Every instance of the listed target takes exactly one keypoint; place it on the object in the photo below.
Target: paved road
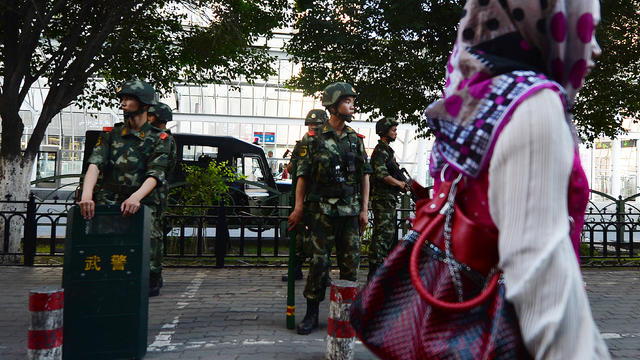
(239, 314)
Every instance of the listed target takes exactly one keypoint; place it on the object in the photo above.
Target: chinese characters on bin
(92, 263)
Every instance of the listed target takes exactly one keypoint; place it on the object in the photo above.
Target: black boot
(298, 273)
(154, 284)
(372, 271)
(310, 320)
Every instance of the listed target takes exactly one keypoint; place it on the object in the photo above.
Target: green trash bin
(106, 284)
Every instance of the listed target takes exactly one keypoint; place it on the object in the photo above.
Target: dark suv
(259, 186)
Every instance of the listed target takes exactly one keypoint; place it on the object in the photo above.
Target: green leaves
(394, 53)
(78, 46)
(205, 186)
(612, 91)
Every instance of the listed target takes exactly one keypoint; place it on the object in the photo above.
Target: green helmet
(316, 117)
(383, 125)
(138, 89)
(334, 92)
(162, 111)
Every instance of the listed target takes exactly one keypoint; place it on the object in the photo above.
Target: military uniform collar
(385, 145)
(144, 131)
(327, 128)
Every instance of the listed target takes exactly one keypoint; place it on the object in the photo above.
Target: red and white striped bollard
(340, 334)
(46, 306)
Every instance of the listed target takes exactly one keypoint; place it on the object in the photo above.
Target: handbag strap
(443, 220)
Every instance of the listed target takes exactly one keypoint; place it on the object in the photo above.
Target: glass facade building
(272, 114)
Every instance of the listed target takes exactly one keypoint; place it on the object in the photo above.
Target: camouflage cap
(383, 125)
(162, 111)
(138, 89)
(316, 117)
(333, 92)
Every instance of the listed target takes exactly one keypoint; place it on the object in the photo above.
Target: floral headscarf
(506, 51)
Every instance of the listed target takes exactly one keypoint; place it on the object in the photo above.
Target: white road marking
(608, 336)
(162, 341)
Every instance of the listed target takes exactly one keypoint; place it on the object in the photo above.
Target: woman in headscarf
(504, 124)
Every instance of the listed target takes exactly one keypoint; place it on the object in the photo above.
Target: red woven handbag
(438, 295)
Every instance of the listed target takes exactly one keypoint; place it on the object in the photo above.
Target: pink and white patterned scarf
(506, 51)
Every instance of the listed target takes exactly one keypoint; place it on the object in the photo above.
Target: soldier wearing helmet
(338, 98)
(333, 178)
(314, 118)
(132, 158)
(384, 195)
(159, 115)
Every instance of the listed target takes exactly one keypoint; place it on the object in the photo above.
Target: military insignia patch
(99, 141)
(163, 136)
(303, 151)
(124, 131)
(142, 134)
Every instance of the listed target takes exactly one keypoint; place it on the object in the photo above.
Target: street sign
(264, 137)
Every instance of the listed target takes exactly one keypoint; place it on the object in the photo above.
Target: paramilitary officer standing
(384, 195)
(159, 115)
(314, 118)
(132, 158)
(333, 173)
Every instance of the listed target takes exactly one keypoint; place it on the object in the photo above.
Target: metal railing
(228, 236)
(611, 232)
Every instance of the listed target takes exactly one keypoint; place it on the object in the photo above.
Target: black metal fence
(611, 232)
(232, 236)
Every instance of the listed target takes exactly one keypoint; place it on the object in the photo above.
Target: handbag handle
(422, 290)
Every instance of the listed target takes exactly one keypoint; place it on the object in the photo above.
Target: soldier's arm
(379, 164)
(87, 205)
(303, 172)
(296, 215)
(156, 174)
(364, 188)
(132, 204)
(96, 161)
(158, 163)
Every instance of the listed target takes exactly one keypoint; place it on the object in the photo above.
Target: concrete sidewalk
(240, 314)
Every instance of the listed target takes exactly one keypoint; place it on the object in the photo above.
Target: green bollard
(291, 282)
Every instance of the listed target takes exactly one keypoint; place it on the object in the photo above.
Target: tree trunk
(15, 173)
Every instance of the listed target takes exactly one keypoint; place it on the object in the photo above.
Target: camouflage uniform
(126, 158)
(163, 114)
(333, 166)
(303, 248)
(156, 247)
(384, 199)
(313, 119)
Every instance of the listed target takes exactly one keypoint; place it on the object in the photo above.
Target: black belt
(329, 191)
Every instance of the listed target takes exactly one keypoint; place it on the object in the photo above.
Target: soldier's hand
(130, 206)
(363, 218)
(294, 219)
(87, 208)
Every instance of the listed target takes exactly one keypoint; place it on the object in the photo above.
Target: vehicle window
(46, 165)
(195, 152)
(250, 167)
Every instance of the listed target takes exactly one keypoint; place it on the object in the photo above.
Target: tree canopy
(394, 53)
(75, 45)
(614, 85)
